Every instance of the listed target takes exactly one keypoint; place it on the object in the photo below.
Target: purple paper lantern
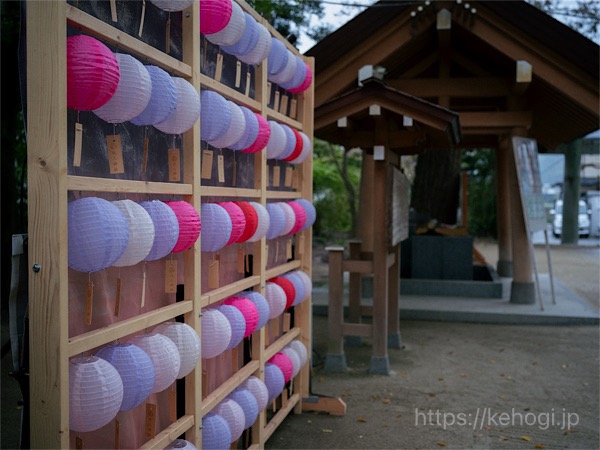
(311, 212)
(187, 341)
(282, 361)
(217, 227)
(299, 75)
(186, 112)
(276, 298)
(232, 32)
(98, 234)
(287, 73)
(141, 233)
(164, 355)
(306, 150)
(299, 293)
(236, 321)
(162, 100)
(264, 222)
(308, 77)
(248, 310)
(262, 306)
(261, 49)
(238, 220)
(250, 130)
(258, 389)
(136, 370)
(233, 413)
(276, 221)
(216, 333)
(274, 381)
(166, 228)
(215, 115)
(248, 403)
(290, 142)
(307, 284)
(277, 140)
(247, 41)
(277, 58)
(290, 218)
(172, 5)
(216, 433)
(181, 444)
(236, 128)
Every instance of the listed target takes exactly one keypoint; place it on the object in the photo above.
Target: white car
(583, 219)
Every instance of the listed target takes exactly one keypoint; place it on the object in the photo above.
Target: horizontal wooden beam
(77, 183)
(357, 266)
(500, 119)
(169, 434)
(453, 87)
(219, 394)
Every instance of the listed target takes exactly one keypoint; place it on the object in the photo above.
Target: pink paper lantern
(290, 218)
(282, 361)
(217, 227)
(294, 358)
(300, 215)
(214, 15)
(306, 150)
(232, 32)
(216, 333)
(274, 380)
(248, 310)
(186, 112)
(187, 341)
(263, 222)
(264, 132)
(288, 289)
(298, 147)
(92, 73)
(238, 220)
(237, 321)
(189, 224)
(258, 388)
(234, 415)
(164, 355)
(261, 304)
(276, 299)
(305, 83)
(251, 220)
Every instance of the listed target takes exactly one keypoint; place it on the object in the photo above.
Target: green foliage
(480, 165)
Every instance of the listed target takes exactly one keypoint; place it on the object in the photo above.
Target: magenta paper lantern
(187, 341)
(186, 112)
(300, 216)
(299, 293)
(264, 132)
(247, 41)
(98, 234)
(215, 115)
(141, 233)
(250, 130)
(214, 15)
(164, 355)
(189, 225)
(277, 140)
(216, 433)
(136, 370)
(306, 150)
(290, 217)
(238, 220)
(95, 393)
(300, 348)
(181, 444)
(276, 299)
(262, 306)
(233, 413)
(274, 380)
(251, 220)
(172, 5)
(287, 73)
(92, 73)
(216, 333)
(282, 361)
(166, 229)
(248, 403)
(297, 149)
(258, 388)
(299, 75)
(236, 127)
(264, 221)
(248, 310)
(277, 58)
(133, 92)
(232, 32)
(308, 77)
(261, 49)
(311, 212)
(217, 227)
(294, 358)
(163, 99)
(237, 321)
(277, 220)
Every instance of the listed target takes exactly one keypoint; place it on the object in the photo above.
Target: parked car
(583, 216)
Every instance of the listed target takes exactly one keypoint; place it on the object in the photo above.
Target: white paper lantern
(172, 5)
(306, 150)
(248, 403)
(164, 355)
(233, 413)
(95, 393)
(288, 70)
(262, 48)
(233, 30)
(264, 221)
(132, 95)
(290, 141)
(277, 140)
(236, 127)
(300, 348)
(278, 57)
(295, 358)
(247, 40)
(187, 341)
(166, 228)
(290, 218)
(141, 233)
(237, 323)
(215, 115)
(216, 333)
(307, 284)
(186, 112)
(258, 388)
(276, 298)
(277, 221)
(181, 444)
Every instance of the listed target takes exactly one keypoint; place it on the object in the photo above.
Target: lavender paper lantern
(92, 73)
(306, 150)
(251, 220)
(141, 233)
(248, 310)
(276, 220)
(214, 15)
(132, 94)
(290, 218)
(235, 130)
(186, 112)
(181, 444)
(217, 227)
(136, 370)
(290, 142)
(300, 348)
(166, 228)
(276, 299)
(300, 215)
(287, 73)
(247, 41)
(95, 393)
(172, 5)
(263, 222)
(261, 49)
(98, 234)
(189, 224)
(299, 75)
(216, 333)
(246, 400)
(262, 306)
(294, 358)
(311, 212)
(277, 140)
(250, 130)
(164, 355)
(216, 434)
(215, 115)
(232, 32)
(233, 413)
(236, 321)
(282, 361)
(274, 381)
(297, 149)
(308, 77)
(307, 284)
(163, 99)
(238, 220)
(257, 388)
(264, 132)
(187, 341)
(277, 58)
(299, 288)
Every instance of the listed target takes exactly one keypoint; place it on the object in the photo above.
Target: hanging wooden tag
(219, 68)
(213, 274)
(174, 165)
(248, 81)
(287, 321)
(113, 10)
(235, 360)
(78, 443)
(207, 162)
(269, 86)
(220, 168)
(293, 108)
(89, 302)
(288, 249)
(284, 399)
(284, 104)
(118, 298)
(115, 153)
(173, 403)
(240, 259)
(77, 145)
(238, 74)
(247, 265)
(142, 18)
(117, 434)
(276, 176)
(276, 101)
(289, 174)
(145, 155)
(171, 276)
(150, 426)
(168, 35)
(143, 302)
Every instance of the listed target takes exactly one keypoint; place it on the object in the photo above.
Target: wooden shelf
(77, 183)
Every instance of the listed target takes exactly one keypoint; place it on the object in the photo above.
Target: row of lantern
(123, 233)
(224, 23)
(121, 376)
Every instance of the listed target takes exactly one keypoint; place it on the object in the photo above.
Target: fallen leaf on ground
(386, 400)
(361, 419)
(321, 378)
(503, 438)
(463, 375)
(441, 444)
(526, 438)
(327, 430)
(539, 446)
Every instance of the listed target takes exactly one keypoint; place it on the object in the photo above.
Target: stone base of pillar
(504, 268)
(394, 340)
(380, 365)
(522, 293)
(335, 362)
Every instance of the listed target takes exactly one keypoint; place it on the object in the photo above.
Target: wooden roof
(471, 66)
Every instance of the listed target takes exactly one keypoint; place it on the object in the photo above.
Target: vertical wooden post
(504, 267)
(354, 293)
(394, 340)
(335, 360)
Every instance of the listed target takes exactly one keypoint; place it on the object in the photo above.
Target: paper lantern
(261, 49)
(216, 433)
(299, 75)
(236, 127)
(248, 310)
(277, 139)
(172, 5)
(282, 361)
(133, 92)
(306, 149)
(189, 224)
(98, 234)
(308, 77)
(311, 212)
(233, 413)
(290, 218)
(187, 342)
(164, 355)
(250, 132)
(275, 296)
(294, 358)
(214, 15)
(277, 58)
(232, 32)
(166, 228)
(238, 220)
(181, 444)
(307, 284)
(92, 73)
(141, 233)
(135, 369)
(290, 142)
(297, 149)
(300, 348)
(163, 99)
(216, 333)
(264, 222)
(246, 400)
(277, 220)
(217, 227)
(95, 393)
(264, 132)
(247, 41)
(215, 115)
(237, 321)
(251, 220)
(274, 380)
(300, 215)
(262, 306)
(258, 388)
(288, 289)
(186, 112)
(287, 73)
(299, 293)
